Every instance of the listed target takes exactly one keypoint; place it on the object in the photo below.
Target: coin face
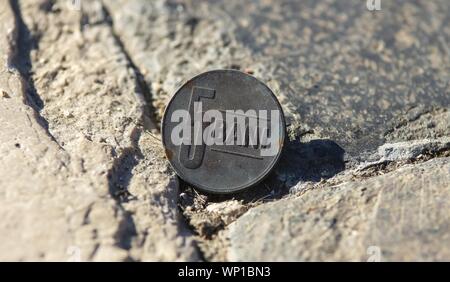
(223, 131)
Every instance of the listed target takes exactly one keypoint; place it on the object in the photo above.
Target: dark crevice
(121, 172)
(386, 166)
(119, 178)
(149, 110)
(21, 60)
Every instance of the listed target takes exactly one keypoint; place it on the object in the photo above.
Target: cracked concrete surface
(76, 156)
(83, 175)
(403, 213)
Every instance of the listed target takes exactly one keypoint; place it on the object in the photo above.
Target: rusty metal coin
(223, 131)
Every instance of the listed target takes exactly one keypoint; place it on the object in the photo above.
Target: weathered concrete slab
(342, 72)
(80, 178)
(352, 74)
(400, 216)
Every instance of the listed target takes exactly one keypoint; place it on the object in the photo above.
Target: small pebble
(4, 94)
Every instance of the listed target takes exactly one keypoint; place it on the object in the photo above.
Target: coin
(223, 131)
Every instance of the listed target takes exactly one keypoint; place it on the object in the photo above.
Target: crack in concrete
(21, 62)
(120, 175)
(144, 93)
(121, 172)
(209, 228)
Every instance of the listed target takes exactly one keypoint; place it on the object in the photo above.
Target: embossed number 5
(194, 159)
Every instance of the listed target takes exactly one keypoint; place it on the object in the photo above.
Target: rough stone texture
(412, 150)
(171, 41)
(350, 72)
(82, 171)
(79, 176)
(404, 213)
(418, 124)
(340, 71)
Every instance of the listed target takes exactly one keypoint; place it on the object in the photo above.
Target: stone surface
(80, 178)
(401, 216)
(171, 41)
(340, 71)
(82, 92)
(413, 149)
(419, 124)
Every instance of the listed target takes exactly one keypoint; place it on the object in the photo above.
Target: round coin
(223, 131)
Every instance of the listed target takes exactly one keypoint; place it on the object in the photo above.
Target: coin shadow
(310, 161)
(301, 162)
